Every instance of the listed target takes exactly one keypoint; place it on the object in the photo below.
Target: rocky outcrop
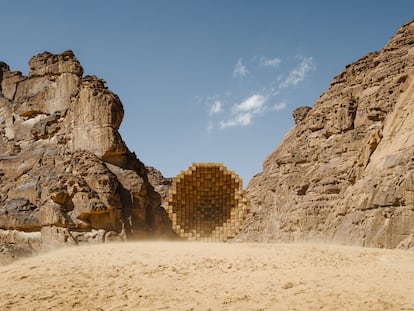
(15, 244)
(63, 163)
(345, 172)
(161, 184)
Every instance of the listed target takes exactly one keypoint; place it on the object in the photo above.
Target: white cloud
(279, 106)
(270, 62)
(216, 107)
(241, 119)
(222, 115)
(253, 103)
(299, 73)
(240, 70)
(243, 113)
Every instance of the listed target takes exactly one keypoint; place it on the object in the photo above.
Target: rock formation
(345, 172)
(161, 184)
(64, 169)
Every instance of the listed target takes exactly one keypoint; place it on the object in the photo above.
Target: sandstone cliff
(64, 169)
(161, 184)
(345, 172)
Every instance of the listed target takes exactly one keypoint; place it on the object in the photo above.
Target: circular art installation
(207, 203)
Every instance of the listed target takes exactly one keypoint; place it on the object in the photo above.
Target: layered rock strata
(64, 169)
(345, 172)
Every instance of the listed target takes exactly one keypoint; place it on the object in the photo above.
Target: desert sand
(210, 276)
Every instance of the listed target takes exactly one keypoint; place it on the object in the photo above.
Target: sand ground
(209, 276)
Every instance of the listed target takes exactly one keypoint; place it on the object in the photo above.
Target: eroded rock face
(161, 184)
(346, 171)
(63, 163)
(15, 244)
(300, 113)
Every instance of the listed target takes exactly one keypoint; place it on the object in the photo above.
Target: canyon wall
(345, 172)
(65, 171)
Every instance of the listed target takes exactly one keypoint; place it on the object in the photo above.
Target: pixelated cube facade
(207, 203)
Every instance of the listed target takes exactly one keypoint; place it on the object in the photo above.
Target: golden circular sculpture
(207, 203)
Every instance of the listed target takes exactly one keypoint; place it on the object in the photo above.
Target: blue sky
(204, 81)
